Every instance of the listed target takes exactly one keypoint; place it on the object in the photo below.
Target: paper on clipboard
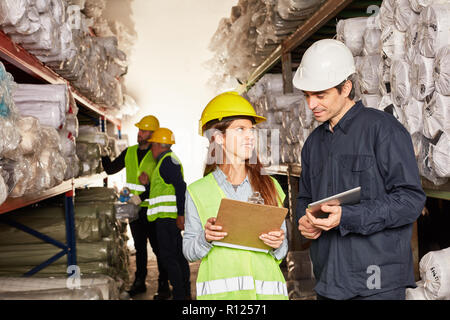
(244, 222)
(351, 196)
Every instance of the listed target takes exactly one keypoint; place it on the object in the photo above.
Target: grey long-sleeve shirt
(195, 246)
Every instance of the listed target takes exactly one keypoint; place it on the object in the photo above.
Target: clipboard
(351, 196)
(244, 222)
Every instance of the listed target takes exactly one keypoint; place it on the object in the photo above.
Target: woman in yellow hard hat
(233, 171)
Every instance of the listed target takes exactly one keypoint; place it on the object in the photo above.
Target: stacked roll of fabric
(413, 74)
(100, 237)
(251, 33)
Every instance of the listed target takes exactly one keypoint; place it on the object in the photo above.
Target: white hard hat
(324, 65)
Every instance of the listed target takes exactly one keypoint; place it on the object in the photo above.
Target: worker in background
(166, 211)
(228, 273)
(140, 163)
(360, 251)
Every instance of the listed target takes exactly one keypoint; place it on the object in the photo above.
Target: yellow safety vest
(134, 170)
(234, 274)
(162, 202)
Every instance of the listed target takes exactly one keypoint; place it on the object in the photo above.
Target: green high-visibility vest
(134, 170)
(162, 202)
(228, 273)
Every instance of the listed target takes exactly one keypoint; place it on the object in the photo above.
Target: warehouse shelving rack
(24, 62)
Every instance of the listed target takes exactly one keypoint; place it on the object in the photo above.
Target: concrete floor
(152, 276)
(298, 290)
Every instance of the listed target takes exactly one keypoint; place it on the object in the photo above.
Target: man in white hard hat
(359, 251)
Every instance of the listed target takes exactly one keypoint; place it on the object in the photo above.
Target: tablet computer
(348, 197)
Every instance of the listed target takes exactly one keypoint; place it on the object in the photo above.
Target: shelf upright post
(70, 229)
(286, 64)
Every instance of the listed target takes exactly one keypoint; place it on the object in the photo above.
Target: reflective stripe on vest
(241, 283)
(161, 199)
(160, 209)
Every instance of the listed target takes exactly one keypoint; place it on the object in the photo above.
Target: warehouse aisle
(152, 276)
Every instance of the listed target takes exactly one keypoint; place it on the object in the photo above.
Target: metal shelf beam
(16, 203)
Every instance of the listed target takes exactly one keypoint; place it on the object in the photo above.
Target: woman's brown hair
(259, 182)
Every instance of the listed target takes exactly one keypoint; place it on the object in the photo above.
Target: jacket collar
(162, 155)
(346, 120)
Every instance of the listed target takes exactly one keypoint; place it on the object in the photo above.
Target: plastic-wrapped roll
(108, 286)
(422, 147)
(286, 121)
(400, 84)
(384, 78)
(368, 74)
(436, 115)
(3, 190)
(371, 100)
(68, 145)
(404, 16)
(23, 169)
(418, 5)
(273, 83)
(351, 32)
(441, 72)
(392, 44)
(372, 40)
(287, 101)
(440, 156)
(297, 9)
(10, 137)
(387, 13)
(73, 167)
(94, 8)
(12, 11)
(58, 168)
(411, 43)
(434, 32)
(91, 134)
(126, 211)
(31, 254)
(306, 115)
(54, 294)
(30, 130)
(388, 106)
(71, 124)
(421, 77)
(413, 115)
(435, 271)
(279, 117)
(415, 294)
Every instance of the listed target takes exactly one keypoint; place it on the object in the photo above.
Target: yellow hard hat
(148, 123)
(162, 135)
(228, 104)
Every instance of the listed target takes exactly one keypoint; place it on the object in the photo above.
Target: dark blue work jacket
(371, 149)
